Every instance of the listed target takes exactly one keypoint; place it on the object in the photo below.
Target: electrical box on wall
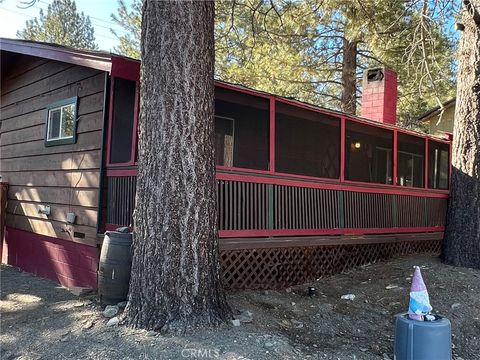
(71, 217)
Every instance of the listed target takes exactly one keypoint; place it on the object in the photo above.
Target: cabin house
(438, 120)
(303, 191)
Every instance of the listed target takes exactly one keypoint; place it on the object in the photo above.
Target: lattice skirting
(274, 268)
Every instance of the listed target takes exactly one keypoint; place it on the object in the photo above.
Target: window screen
(410, 157)
(241, 130)
(122, 122)
(368, 153)
(306, 142)
(438, 165)
(54, 123)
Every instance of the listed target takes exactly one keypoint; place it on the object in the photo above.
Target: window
(241, 130)
(438, 165)
(61, 124)
(410, 157)
(368, 153)
(306, 142)
(122, 120)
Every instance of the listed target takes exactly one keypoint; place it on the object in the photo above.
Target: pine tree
(315, 50)
(61, 25)
(175, 281)
(131, 21)
(461, 246)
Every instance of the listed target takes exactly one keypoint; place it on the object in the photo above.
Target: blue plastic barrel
(422, 340)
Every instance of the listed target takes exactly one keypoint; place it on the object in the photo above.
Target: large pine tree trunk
(349, 77)
(175, 283)
(462, 236)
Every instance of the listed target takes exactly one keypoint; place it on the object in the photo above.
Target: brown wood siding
(66, 177)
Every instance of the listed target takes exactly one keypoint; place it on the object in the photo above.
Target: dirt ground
(40, 320)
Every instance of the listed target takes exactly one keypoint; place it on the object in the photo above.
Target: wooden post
(395, 145)
(426, 164)
(342, 148)
(272, 135)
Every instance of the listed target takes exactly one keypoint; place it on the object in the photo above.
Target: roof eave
(94, 61)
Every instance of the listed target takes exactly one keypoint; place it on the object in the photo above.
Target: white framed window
(61, 123)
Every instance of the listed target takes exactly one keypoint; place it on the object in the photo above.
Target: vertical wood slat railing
(367, 210)
(300, 208)
(121, 199)
(304, 208)
(249, 205)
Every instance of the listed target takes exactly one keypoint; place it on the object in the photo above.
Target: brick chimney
(379, 97)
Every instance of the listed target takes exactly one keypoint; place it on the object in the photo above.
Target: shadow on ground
(43, 321)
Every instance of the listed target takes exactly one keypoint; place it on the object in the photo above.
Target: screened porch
(286, 168)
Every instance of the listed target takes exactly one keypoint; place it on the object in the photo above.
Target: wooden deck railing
(260, 205)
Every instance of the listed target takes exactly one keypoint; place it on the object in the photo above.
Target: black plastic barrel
(422, 340)
(114, 267)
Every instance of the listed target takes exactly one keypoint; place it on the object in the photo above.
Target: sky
(13, 18)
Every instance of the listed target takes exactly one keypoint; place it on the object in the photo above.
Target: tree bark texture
(175, 282)
(349, 77)
(462, 235)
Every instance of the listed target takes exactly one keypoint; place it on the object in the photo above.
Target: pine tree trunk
(462, 235)
(349, 77)
(175, 282)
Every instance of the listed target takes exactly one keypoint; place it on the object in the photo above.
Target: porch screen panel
(438, 158)
(122, 121)
(411, 160)
(368, 153)
(306, 142)
(241, 130)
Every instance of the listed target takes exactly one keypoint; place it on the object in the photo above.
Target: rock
(389, 287)
(113, 321)
(363, 349)
(245, 316)
(288, 290)
(80, 291)
(269, 345)
(325, 307)
(151, 333)
(348, 297)
(110, 311)
(297, 324)
(236, 322)
(88, 325)
(122, 304)
(293, 304)
(454, 306)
